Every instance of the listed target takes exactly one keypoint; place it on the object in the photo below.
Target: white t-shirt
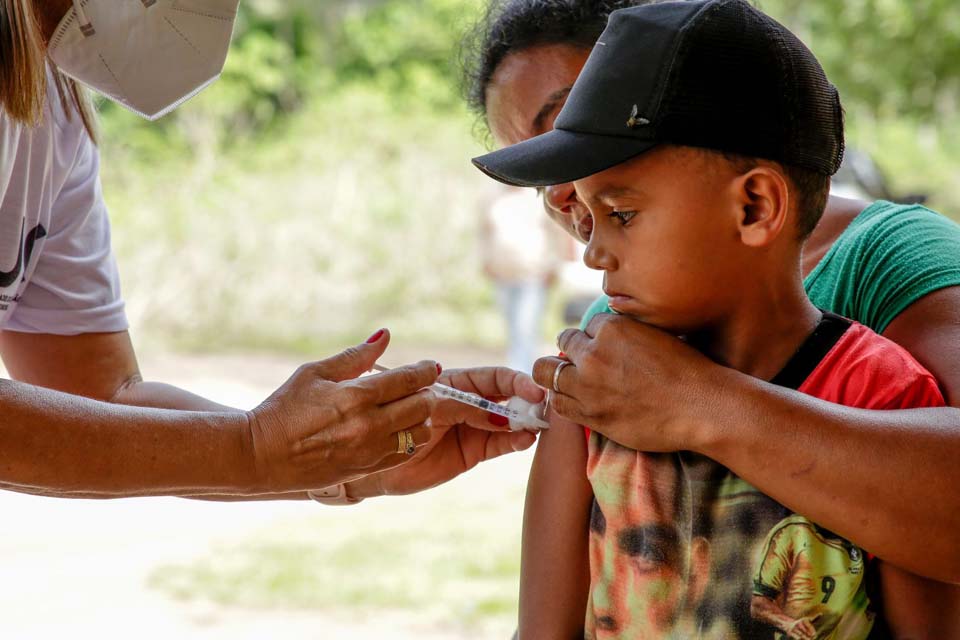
(58, 274)
(521, 243)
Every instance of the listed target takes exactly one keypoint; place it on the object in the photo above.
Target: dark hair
(811, 187)
(507, 26)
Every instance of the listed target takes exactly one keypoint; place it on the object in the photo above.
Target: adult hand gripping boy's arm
(883, 479)
(554, 566)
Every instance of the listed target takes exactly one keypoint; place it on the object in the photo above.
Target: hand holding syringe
(522, 414)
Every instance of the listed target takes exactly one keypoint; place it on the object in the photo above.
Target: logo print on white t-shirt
(7, 278)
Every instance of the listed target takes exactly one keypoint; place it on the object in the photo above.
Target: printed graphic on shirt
(680, 547)
(649, 564)
(58, 274)
(808, 578)
(18, 257)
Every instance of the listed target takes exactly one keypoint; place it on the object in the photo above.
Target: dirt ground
(78, 569)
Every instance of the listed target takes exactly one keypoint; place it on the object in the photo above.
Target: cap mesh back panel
(742, 83)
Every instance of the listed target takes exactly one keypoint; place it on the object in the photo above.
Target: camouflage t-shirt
(680, 547)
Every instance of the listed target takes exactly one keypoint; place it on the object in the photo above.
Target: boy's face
(665, 234)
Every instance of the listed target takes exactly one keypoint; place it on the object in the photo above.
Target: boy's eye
(623, 216)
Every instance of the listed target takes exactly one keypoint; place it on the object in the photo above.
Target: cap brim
(559, 156)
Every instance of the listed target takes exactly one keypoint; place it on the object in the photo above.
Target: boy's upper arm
(555, 573)
(559, 471)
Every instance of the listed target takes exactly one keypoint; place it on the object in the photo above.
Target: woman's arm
(52, 443)
(885, 480)
(320, 428)
(554, 567)
(101, 366)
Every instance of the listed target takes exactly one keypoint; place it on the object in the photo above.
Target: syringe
(520, 413)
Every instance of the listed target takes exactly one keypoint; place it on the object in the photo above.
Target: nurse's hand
(635, 384)
(326, 425)
(462, 436)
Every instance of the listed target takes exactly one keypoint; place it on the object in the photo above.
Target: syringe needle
(518, 419)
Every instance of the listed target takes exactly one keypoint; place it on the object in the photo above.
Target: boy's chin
(674, 327)
(651, 320)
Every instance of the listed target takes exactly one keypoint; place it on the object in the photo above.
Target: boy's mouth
(618, 301)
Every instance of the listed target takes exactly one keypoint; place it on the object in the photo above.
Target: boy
(701, 136)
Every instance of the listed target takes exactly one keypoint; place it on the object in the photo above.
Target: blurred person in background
(522, 253)
(79, 420)
(889, 475)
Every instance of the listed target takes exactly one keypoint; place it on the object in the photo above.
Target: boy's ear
(763, 200)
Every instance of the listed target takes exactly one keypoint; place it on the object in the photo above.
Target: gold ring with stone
(411, 445)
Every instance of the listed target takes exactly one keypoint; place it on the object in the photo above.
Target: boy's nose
(596, 256)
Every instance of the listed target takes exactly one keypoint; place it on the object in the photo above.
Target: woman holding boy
(895, 269)
(692, 277)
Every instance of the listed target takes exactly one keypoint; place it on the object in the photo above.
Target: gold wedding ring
(405, 443)
(556, 375)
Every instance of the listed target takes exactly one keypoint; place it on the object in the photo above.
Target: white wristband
(335, 495)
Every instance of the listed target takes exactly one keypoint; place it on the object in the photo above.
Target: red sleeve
(868, 371)
(923, 392)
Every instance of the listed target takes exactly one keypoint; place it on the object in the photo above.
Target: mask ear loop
(86, 27)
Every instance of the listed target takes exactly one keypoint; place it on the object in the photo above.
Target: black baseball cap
(716, 74)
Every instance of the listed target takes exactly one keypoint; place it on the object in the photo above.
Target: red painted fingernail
(375, 337)
(439, 369)
(497, 420)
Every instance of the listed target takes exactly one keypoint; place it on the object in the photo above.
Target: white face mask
(148, 55)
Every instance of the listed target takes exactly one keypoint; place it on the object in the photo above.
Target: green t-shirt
(889, 257)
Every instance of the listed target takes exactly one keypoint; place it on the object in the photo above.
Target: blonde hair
(23, 70)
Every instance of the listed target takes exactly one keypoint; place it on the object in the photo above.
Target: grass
(449, 558)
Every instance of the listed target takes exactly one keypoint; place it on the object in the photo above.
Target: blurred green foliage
(322, 187)
(890, 58)
(285, 53)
